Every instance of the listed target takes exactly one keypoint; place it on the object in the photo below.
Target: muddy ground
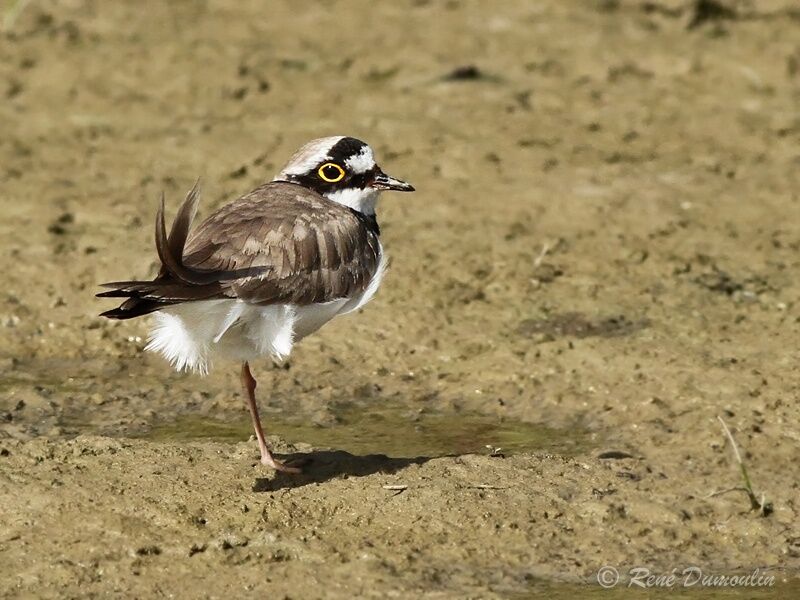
(601, 259)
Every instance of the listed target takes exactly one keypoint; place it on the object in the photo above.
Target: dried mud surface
(604, 243)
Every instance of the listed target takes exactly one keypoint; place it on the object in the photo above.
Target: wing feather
(279, 244)
(286, 244)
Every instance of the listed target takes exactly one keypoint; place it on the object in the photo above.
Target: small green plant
(13, 11)
(762, 506)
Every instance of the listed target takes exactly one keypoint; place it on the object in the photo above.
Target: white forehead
(310, 155)
(361, 162)
(318, 151)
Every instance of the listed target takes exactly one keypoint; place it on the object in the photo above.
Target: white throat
(362, 200)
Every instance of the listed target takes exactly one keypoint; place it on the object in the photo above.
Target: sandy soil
(600, 260)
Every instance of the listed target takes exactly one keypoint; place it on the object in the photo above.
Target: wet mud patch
(391, 430)
(719, 281)
(578, 325)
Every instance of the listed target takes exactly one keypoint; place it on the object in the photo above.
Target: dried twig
(545, 249)
(726, 491)
(397, 489)
(495, 451)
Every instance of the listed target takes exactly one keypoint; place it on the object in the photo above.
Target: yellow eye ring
(330, 172)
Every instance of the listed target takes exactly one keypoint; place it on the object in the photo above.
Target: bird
(266, 270)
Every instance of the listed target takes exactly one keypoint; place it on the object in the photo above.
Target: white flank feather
(183, 334)
(359, 301)
(270, 330)
(191, 335)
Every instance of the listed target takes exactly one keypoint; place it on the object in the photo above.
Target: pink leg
(249, 383)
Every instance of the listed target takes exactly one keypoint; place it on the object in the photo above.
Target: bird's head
(342, 169)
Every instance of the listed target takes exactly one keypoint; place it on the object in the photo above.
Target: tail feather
(170, 249)
(176, 282)
(161, 290)
(133, 307)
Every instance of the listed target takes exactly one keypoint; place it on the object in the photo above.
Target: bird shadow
(323, 465)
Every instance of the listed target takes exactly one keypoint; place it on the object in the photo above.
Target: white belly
(191, 335)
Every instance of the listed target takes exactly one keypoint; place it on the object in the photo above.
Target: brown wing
(283, 243)
(279, 244)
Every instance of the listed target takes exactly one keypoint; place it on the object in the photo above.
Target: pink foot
(279, 466)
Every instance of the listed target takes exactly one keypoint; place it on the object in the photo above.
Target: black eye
(331, 172)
